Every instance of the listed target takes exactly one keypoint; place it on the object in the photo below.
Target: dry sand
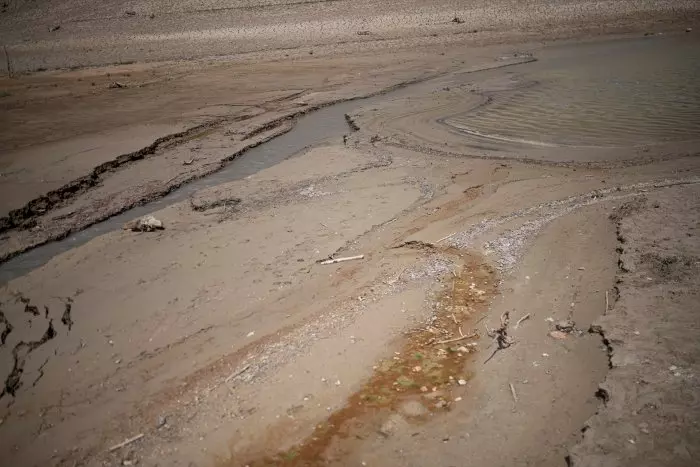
(516, 183)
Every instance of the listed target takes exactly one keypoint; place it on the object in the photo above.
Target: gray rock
(565, 325)
(162, 420)
(144, 224)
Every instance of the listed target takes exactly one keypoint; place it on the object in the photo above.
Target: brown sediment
(432, 361)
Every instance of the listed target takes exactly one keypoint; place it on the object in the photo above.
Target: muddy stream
(623, 93)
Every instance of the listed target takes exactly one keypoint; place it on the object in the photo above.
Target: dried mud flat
(523, 229)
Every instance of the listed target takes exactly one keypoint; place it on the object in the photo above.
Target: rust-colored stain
(426, 369)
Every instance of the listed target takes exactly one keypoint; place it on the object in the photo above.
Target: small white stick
(128, 441)
(446, 237)
(340, 260)
(606, 303)
(512, 391)
(527, 316)
(470, 336)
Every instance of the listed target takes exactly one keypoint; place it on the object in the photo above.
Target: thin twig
(236, 373)
(446, 237)
(128, 441)
(527, 316)
(606, 303)
(172, 178)
(512, 391)
(470, 336)
(8, 62)
(340, 260)
(454, 319)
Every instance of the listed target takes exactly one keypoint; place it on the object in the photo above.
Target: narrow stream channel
(650, 83)
(325, 124)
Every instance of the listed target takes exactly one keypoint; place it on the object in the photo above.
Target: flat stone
(394, 423)
(413, 409)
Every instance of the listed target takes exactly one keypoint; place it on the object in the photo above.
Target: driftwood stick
(470, 336)
(128, 441)
(446, 237)
(527, 316)
(607, 305)
(340, 260)
(512, 391)
(236, 373)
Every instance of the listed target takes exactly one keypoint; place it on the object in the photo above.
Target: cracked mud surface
(224, 342)
(651, 407)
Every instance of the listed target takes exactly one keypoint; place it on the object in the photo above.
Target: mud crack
(66, 317)
(8, 328)
(19, 354)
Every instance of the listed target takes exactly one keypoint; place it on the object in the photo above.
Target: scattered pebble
(462, 382)
(337, 383)
(558, 334)
(162, 420)
(565, 325)
(251, 334)
(545, 355)
(457, 399)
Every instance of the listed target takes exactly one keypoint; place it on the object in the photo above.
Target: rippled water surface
(627, 94)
